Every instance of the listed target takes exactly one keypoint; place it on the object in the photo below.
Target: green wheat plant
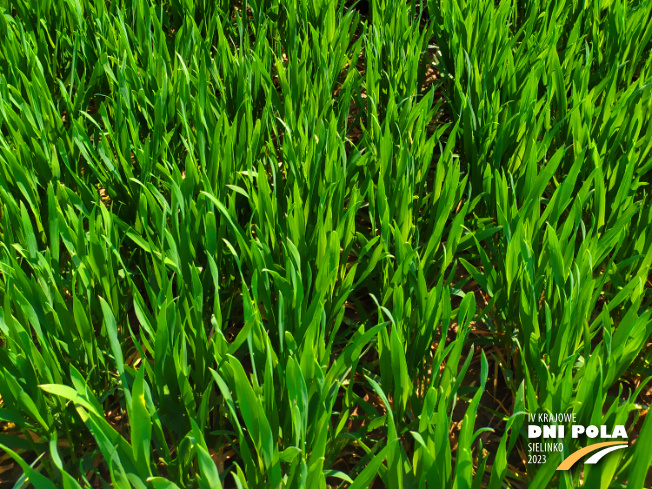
(322, 244)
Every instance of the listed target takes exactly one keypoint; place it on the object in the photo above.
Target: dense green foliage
(283, 243)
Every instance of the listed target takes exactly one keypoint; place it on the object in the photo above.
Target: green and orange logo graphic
(601, 448)
(548, 438)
